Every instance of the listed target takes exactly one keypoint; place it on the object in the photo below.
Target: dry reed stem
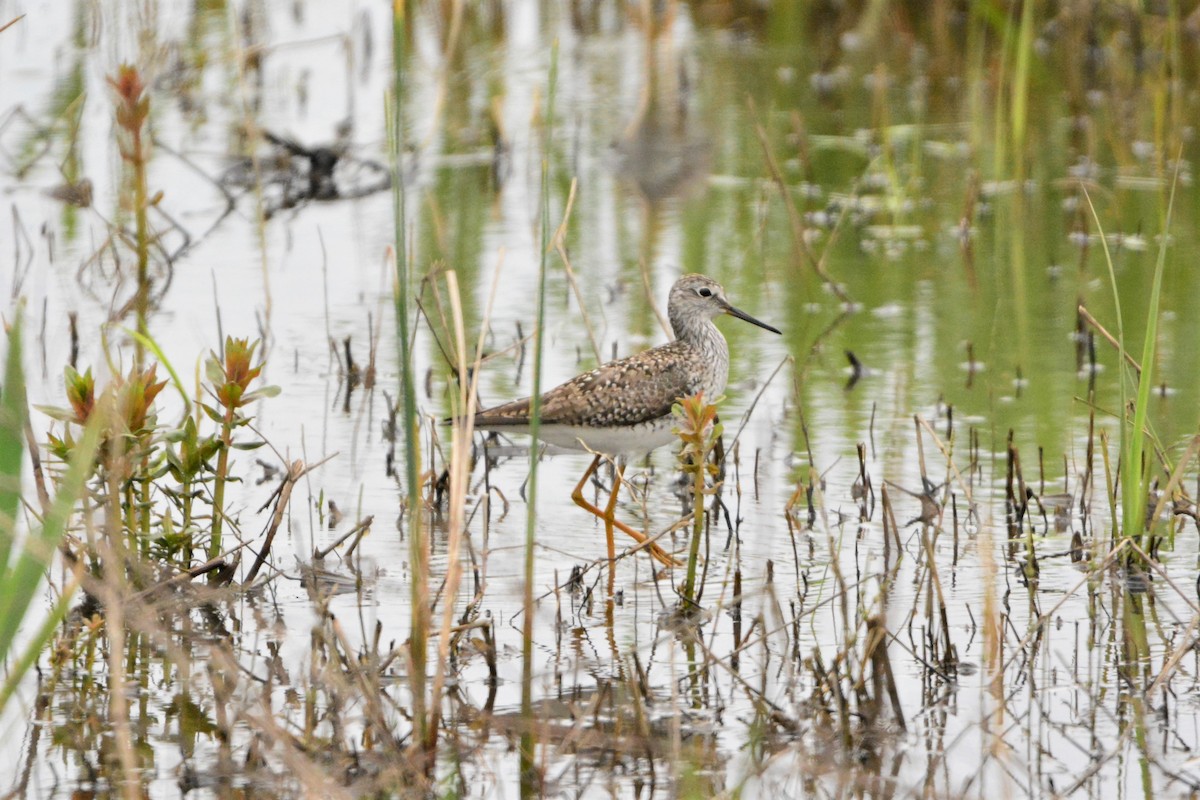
(187, 575)
(949, 461)
(1083, 312)
(841, 589)
(557, 243)
(764, 637)
(881, 667)
(295, 472)
(460, 479)
(1110, 489)
(118, 688)
(35, 459)
(921, 455)
(934, 577)
(993, 628)
(362, 526)
(1176, 477)
(1154, 566)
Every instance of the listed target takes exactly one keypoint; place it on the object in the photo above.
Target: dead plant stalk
(460, 482)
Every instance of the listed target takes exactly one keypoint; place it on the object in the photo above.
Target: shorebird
(623, 408)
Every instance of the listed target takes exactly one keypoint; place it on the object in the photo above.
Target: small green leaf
(56, 413)
(213, 371)
(264, 392)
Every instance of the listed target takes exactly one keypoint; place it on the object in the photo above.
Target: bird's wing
(629, 391)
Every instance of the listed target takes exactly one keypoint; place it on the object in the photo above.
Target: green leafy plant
(1135, 472)
(699, 431)
(229, 377)
(130, 443)
(189, 456)
(141, 461)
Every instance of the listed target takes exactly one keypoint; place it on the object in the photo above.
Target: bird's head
(700, 297)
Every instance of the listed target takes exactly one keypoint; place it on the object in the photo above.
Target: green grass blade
(21, 583)
(36, 644)
(1122, 363)
(1139, 485)
(12, 441)
(1135, 479)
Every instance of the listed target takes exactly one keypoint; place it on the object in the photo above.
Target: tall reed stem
(418, 548)
(528, 780)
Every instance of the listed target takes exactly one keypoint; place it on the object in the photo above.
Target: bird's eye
(704, 292)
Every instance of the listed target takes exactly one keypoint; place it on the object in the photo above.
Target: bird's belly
(613, 441)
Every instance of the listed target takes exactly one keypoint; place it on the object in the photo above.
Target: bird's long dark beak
(737, 312)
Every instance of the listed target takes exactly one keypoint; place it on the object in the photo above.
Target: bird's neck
(694, 330)
(714, 362)
(701, 334)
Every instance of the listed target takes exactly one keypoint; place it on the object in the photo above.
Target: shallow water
(964, 268)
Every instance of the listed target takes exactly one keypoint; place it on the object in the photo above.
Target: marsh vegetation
(942, 541)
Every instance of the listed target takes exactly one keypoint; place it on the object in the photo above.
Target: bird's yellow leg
(609, 516)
